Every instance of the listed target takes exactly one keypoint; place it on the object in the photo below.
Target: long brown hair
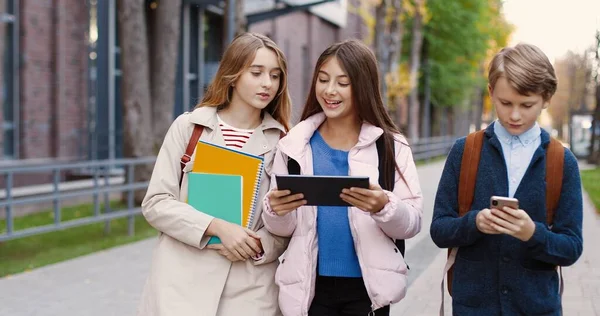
(360, 64)
(237, 58)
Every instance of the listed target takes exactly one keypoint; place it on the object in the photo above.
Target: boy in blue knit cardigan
(506, 260)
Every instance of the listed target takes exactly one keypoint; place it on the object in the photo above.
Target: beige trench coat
(186, 279)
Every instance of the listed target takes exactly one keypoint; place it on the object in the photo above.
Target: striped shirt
(234, 137)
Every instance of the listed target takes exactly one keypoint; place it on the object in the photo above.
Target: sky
(555, 26)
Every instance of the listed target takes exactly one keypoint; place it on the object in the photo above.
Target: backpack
(189, 150)
(555, 154)
(294, 169)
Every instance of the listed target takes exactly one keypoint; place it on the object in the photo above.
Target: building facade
(60, 71)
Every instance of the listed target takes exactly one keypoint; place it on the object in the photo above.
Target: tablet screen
(320, 190)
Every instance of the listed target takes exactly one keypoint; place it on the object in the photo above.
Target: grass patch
(27, 253)
(591, 184)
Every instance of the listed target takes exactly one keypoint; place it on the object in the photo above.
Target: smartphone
(498, 202)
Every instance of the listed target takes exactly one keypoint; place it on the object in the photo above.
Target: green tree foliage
(461, 35)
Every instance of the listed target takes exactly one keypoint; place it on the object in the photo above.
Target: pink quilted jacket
(382, 266)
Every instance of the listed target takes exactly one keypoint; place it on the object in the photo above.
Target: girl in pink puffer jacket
(343, 260)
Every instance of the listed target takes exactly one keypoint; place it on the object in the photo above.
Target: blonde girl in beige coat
(248, 100)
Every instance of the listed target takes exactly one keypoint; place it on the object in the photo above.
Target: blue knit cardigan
(499, 274)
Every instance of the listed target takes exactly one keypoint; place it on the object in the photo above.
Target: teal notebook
(218, 195)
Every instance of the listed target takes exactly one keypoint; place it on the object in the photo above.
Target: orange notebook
(211, 158)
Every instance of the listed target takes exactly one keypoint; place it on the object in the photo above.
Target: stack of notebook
(224, 183)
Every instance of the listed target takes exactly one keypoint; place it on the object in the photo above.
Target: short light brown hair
(526, 68)
(237, 58)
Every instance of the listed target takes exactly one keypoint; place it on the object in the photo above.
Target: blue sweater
(337, 256)
(499, 274)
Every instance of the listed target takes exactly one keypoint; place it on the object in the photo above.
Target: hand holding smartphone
(499, 202)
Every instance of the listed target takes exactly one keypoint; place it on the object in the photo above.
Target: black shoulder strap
(391, 172)
(293, 166)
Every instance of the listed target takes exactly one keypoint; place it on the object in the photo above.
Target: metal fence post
(9, 218)
(131, 219)
(55, 201)
(96, 199)
(107, 198)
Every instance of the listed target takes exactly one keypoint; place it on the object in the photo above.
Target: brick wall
(71, 57)
(53, 77)
(36, 78)
(299, 33)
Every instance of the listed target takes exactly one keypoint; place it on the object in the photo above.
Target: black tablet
(320, 190)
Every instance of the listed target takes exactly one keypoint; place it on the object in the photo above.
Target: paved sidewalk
(110, 282)
(105, 283)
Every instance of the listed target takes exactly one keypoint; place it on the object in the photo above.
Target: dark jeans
(342, 297)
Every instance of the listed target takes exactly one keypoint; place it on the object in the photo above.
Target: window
(9, 79)
(200, 49)
(104, 118)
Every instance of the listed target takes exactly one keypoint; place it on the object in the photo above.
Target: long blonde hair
(237, 58)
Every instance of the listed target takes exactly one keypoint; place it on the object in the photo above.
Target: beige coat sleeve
(278, 225)
(273, 246)
(162, 207)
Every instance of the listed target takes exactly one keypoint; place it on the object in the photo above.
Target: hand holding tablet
(318, 190)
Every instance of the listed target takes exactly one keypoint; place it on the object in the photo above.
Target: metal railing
(427, 148)
(103, 180)
(101, 184)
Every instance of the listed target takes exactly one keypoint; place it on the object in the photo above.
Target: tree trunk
(137, 110)
(426, 119)
(594, 156)
(381, 49)
(165, 25)
(241, 24)
(388, 42)
(480, 96)
(396, 32)
(415, 60)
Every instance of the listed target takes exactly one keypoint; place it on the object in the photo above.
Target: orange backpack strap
(190, 148)
(555, 159)
(466, 186)
(468, 171)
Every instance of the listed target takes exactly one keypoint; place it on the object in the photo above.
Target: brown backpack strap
(555, 158)
(466, 186)
(190, 148)
(468, 171)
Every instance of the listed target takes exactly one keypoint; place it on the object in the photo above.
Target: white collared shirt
(518, 151)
